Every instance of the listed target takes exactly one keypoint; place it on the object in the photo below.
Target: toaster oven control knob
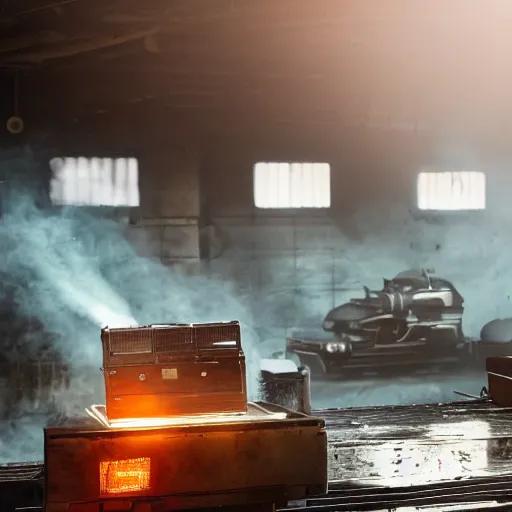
(142, 377)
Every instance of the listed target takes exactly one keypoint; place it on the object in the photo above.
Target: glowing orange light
(131, 475)
(98, 413)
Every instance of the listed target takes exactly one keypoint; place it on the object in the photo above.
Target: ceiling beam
(278, 26)
(74, 47)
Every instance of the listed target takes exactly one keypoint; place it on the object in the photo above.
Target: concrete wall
(168, 222)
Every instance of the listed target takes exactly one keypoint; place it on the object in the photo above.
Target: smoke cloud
(74, 272)
(70, 264)
(299, 286)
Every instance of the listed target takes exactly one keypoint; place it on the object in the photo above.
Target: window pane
(292, 185)
(451, 190)
(95, 181)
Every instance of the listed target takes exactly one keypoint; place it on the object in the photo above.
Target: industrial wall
(291, 266)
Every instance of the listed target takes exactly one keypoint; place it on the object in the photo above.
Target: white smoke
(68, 264)
(76, 272)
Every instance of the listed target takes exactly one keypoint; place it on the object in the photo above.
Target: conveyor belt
(30, 471)
(21, 487)
(343, 497)
(484, 493)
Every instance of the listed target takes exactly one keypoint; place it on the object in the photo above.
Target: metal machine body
(173, 370)
(269, 455)
(415, 319)
(411, 306)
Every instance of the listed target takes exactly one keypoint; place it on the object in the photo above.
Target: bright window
(451, 190)
(292, 185)
(95, 181)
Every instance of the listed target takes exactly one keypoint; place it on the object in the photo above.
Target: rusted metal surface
(499, 376)
(197, 464)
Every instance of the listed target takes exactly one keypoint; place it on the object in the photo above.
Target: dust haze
(75, 272)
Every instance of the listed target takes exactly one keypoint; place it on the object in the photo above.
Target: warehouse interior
(182, 101)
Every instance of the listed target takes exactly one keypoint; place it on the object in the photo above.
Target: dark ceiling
(401, 66)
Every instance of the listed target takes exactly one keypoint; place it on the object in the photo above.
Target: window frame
(320, 211)
(430, 212)
(60, 204)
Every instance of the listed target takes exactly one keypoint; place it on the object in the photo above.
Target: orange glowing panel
(120, 476)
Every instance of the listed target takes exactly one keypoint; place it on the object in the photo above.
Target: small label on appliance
(169, 373)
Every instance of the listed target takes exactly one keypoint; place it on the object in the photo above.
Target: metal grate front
(217, 337)
(173, 339)
(131, 341)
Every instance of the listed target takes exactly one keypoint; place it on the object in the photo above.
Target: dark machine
(164, 370)
(411, 306)
(415, 318)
